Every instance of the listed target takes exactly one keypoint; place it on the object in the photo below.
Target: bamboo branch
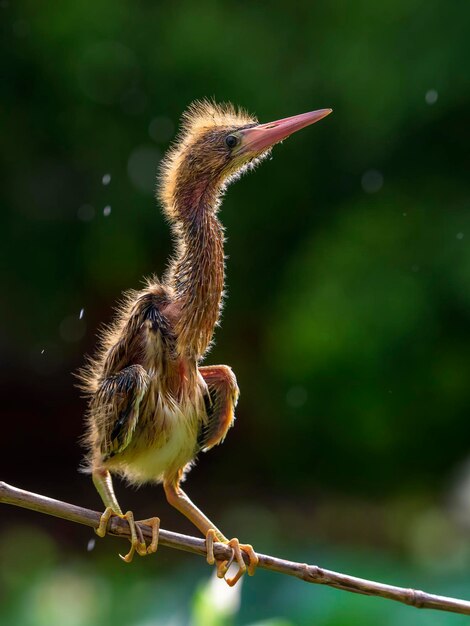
(309, 573)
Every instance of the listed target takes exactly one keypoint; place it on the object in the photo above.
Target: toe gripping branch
(237, 549)
(137, 539)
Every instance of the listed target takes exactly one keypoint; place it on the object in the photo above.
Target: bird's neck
(196, 274)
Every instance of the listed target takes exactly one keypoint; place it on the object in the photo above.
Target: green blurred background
(348, 310)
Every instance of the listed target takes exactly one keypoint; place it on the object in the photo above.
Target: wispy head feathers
(200, 117)
(205, 114)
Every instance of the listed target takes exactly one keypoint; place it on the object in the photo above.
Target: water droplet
(431, 96)
(372, 181)
(91, 545)
(459, 235)
(46, 360)
(106, 179)
(107, 211)
(405, 214)
(82, 312)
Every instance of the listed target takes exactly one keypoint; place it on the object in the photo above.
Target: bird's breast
(165, 439)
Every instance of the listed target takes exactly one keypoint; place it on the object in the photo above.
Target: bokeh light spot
(431, 96)
(296, 396)
(161, 129)
(372, 181)
(86, 213)
(142, 168)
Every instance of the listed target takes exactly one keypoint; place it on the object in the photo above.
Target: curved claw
(137, 539)
(137, 542)
(222, 566)
(154, 523)
(242, 567)
(210, 538)
(237, 549)
(104, 519)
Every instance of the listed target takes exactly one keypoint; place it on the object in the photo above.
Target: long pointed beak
(263, 136)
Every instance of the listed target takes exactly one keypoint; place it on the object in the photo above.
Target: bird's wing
(124, 380)
(116, 408)
(220, 400)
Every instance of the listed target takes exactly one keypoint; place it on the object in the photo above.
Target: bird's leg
(177, 498)
(104, 486)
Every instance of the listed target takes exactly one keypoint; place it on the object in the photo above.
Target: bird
(152, 406)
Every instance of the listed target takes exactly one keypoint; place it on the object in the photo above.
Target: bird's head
(217, 143)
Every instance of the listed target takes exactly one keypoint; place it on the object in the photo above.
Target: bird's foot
(237, 549)
(137, 539)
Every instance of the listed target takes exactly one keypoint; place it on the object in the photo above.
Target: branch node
(416, 598)
(315, 573)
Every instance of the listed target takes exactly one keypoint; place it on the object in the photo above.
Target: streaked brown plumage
(152, 406)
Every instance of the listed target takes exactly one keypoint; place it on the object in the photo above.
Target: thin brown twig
(309, 573)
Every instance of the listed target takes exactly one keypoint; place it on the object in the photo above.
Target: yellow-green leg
(104, 486)
(177, 498)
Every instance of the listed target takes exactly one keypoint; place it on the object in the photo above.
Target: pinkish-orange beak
(263, 136)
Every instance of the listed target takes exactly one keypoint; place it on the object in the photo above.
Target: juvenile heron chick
(152, 406)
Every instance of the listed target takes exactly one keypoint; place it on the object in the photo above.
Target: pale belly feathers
(165, 439)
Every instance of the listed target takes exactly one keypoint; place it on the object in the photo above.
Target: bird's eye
(231, 141)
